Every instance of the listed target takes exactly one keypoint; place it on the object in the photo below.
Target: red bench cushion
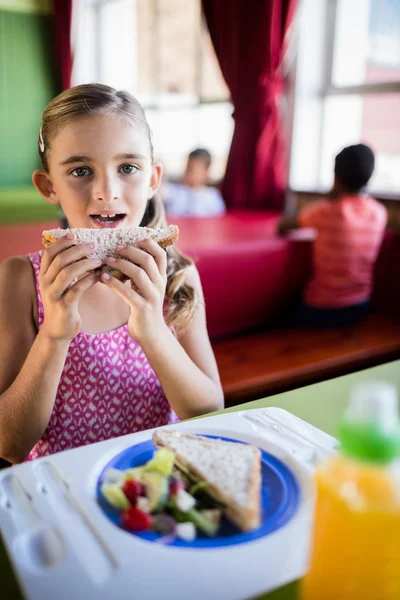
(247, 272)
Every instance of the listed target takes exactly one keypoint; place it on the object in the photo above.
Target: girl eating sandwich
(86, 356)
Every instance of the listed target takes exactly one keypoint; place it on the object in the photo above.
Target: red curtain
(248, 37)
(62, 17)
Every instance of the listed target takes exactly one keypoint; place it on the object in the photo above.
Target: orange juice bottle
(355, 551)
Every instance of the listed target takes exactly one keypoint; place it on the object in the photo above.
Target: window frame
(157, 103)
(362, 89)
(323, 91)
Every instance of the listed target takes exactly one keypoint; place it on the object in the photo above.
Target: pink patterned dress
(107, 389)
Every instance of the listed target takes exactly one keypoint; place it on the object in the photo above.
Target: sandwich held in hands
(108, 241)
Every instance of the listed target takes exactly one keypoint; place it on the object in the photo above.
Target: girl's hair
(96, 99)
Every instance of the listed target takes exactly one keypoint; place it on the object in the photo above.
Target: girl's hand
(148, 272)
(65, 274)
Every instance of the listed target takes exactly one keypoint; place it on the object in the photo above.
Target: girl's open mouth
(108, 220)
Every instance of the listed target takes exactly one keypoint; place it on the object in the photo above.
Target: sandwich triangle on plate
(231, 470)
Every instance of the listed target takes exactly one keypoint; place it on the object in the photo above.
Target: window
(159, 51)
(347, 89)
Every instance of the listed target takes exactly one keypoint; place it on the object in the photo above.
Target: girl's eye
(81, 172)
(128, 169)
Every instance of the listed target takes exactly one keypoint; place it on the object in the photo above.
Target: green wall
(26, 86)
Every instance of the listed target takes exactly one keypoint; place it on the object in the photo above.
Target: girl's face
(100, 172)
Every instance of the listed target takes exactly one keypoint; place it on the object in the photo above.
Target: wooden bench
(268, 362)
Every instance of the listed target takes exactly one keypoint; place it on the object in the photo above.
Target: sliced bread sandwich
(107, 240)
(232, 472)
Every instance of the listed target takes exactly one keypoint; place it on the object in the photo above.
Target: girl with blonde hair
(85, 357)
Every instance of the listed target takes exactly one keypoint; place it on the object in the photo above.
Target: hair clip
(41, 142)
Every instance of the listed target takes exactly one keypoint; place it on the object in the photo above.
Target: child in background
(192, 197)
(349, 229)
(83, 356)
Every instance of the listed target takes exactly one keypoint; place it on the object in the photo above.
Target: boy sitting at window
(349, 228)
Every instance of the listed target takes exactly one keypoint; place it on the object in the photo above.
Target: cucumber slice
(115, 496)
(157, 490)
(162, 462)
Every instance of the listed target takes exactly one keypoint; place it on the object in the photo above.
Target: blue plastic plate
(280, 497)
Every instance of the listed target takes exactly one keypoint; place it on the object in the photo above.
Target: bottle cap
(370, 428)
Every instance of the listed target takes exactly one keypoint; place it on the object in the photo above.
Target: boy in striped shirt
(349, 227)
